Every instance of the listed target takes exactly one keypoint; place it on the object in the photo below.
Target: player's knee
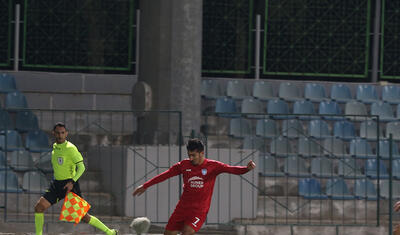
(188, 230)
(39, 208)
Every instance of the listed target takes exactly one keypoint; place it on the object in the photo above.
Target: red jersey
(198, 181)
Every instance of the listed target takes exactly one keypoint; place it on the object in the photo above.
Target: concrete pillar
(170, 62)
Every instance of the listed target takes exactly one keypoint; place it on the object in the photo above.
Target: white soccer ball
(140, 225)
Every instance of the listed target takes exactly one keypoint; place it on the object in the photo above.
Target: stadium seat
(384, 189)
(280, 147)
(391, 94)
(384, 149)
(322, 167)
(383, 110)
(269, 166)
(315, 92)
(251, 106)
(365, 189)
(360, 148)
(12, 182)
(304, 109)
(318, 129)
(37, 141)
(15, 101)
(21, 160)
(5, 121)
(356, 111)
(13, 140)
(263, 90)
(394, 129)
(371, 169)
(398, 111)
(44, 162)
(369, 130)
(289, 91)
(337, 189)
(3, 161)
(295, 166)
(267, 128)
(26, 121)
(344, 130)
(34, 182)
(308, 147)
(330, 108)
(210, 89)
(367, 94)
(341, 93)
(237, 90)
(292, 128)
(239, 128)
(7, 83)
(334, 147)
(348, 168)
(226, 107)
(254, 143)
(310, 189)
(396, 169)
(276, 106)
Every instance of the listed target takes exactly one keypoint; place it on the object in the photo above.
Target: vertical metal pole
(257, 52)
(378, 187)
(377, 35)
(137, 41)
(390, 184)
(16, 36)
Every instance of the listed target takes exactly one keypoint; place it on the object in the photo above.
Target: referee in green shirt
(68, 167)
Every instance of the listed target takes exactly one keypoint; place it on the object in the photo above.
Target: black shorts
(56, 191)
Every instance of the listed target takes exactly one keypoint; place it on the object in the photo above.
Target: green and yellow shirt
(64, 158)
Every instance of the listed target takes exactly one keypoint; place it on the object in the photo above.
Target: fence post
(390, 184)
(16, 36)
(257, 47)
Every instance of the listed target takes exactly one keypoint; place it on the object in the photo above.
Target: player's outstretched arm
(139, 190)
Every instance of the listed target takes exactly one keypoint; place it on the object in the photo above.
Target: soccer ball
(140, 225)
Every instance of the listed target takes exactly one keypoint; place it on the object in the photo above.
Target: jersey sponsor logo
(204, 171)
(188, 169)
(196, 182)
(60, 160)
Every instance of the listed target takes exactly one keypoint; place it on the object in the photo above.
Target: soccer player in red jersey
(199, 174)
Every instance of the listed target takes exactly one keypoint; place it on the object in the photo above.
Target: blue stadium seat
(16, 101)
(365, 189)
(281, 147)
(371, 169)
(289, 91)
(237, 90)
(322, 167)
(26, 121)
(337, 189)
(334, 147)
(341, 93)
(277, 106)
(37, 141)
(369, 130)
(251, 106)
(396, 169)
(384, 149)
(310, 189)
(239, 128)
(13, 140)
(304, 109)
(3, 161)
(308, 147)
(21, 160)
(295, 166)
(34, 182)
(5, 121)
(394, 129)
(348, 168)
(384, 189)
(391, 94)
(356, 111)
(292, 128)
(226, 107)
(12, 182)
(254, 143)
(267, 128)
(367, 94)
(318, 129)
(398, 111)
(344, 130)
(315, 92)
(7, 83)
(330, 108)
(383, 110)
(44, 162)
(360, 148)
(269, 166)
(263, 90)
(210, 89)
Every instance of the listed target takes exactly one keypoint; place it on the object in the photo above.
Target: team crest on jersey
(60, 160)
(204, 171)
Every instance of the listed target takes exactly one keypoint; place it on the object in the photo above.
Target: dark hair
(195, 145)
(59, 124)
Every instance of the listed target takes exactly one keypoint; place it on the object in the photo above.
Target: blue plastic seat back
(21, 160)
(3, 161)
(295, 166)
(310, 188)
(308, 147)
(369, 130)
(391, 94)
(384, 189)
(254, 143)
(269, 166)
(384, 149)
(304, 107)
(277, 106)
(341, 93)
(240, 128)
(361, 148)
(330, 108)
(348, 168)
(366, 93)
(251, 106)
(383, 110)
(263, 90)
(16, 101)
(398, 111)
(318, 129)
(44, 162)
(5, 121)
(34, 182)
(396, 168)
(7, 83)
(237, 90)
(344, 130)
(9, 182)
(289, 91)
(314, 92)
(371, 169)
(365, 189)
(267, 128)
(210, 89)
(225, 107)
(322, 167)
(337, 189)
(394, 129)
(37, 141)
(26, 121)
(281, 146)
(356, 111)
(334, 147)
(292, 128)
(13, 140)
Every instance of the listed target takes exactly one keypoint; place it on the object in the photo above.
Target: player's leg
(168, 232)
(95, 222)
(41, 205)
(188, 230)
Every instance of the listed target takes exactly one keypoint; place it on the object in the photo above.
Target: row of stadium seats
(290, 91)
(35, 141)
(22, 160)
(24, 121)
(32, 182)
